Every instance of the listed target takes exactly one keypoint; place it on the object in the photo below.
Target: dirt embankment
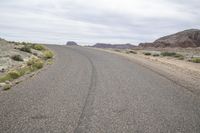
(20, 59)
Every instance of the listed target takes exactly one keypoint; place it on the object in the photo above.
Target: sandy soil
(185, 74)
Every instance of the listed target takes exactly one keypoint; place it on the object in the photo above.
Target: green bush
(26, 48)
(10, 76)
(35, 64)
(168, 53)
(38, 64)
(48, 54)
(117, 50)
(17, 57)
(173, 54)
(38, 47)
(132, 52)
(14, 74)
(181, 58)
(147, 53)
(196, 60)
(17, 43)
(24, 43)
(155, 55)
(32, 65)
(178, 55)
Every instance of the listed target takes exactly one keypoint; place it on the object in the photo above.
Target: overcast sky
(91, 21)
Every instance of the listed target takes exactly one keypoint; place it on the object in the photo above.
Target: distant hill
(71, 43)
(117, 46)
(184, 39)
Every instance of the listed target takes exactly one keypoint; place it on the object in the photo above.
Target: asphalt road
(91, 91)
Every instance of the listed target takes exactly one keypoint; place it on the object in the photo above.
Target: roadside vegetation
(181, 55)
(131, 52)
(165, 54)
(38, 47)
(36, 61)
(147, 53)
(173, 54)
(17, 58)
(48, 54)
(117, 50)
(26, 48)
(156, 55)
(195, 60)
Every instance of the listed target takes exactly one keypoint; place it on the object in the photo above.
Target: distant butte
(71, 43)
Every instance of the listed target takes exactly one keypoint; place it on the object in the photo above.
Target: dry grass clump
(195, 60)
(48, 54)
(17, 58)
(38, 47)
(26, 48)
(147, 53)
(32, 65)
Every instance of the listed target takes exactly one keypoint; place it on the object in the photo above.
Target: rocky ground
(7, 50)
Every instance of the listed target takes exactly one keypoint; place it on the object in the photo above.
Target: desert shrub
(117, 50)
(35, 64)
(24, 43)
(155, 55)
(147, 53)
(4, 78)
(24, 70)
(168, 53)
(173, 54)
(32, 65)
(26, 48)
(48, 54)
(178, 55)
(38, 64)
(38, 47)
(196, 60)
(181, 58)
(10, 76)
(14, 74)
(16, 43)
(132, 52)
(17, 58)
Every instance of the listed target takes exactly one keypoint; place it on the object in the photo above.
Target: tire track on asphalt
(86, 113)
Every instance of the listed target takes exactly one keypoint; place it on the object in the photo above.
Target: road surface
(91, 91)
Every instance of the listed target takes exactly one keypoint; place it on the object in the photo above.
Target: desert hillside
(184, 39)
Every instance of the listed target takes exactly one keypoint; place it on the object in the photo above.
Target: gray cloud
(89, 21)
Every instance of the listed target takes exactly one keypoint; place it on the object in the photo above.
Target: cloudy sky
(91, 21)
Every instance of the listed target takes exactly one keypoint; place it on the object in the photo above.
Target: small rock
(7, 82)
(2, 84)
(2, 70)
(7, 87)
